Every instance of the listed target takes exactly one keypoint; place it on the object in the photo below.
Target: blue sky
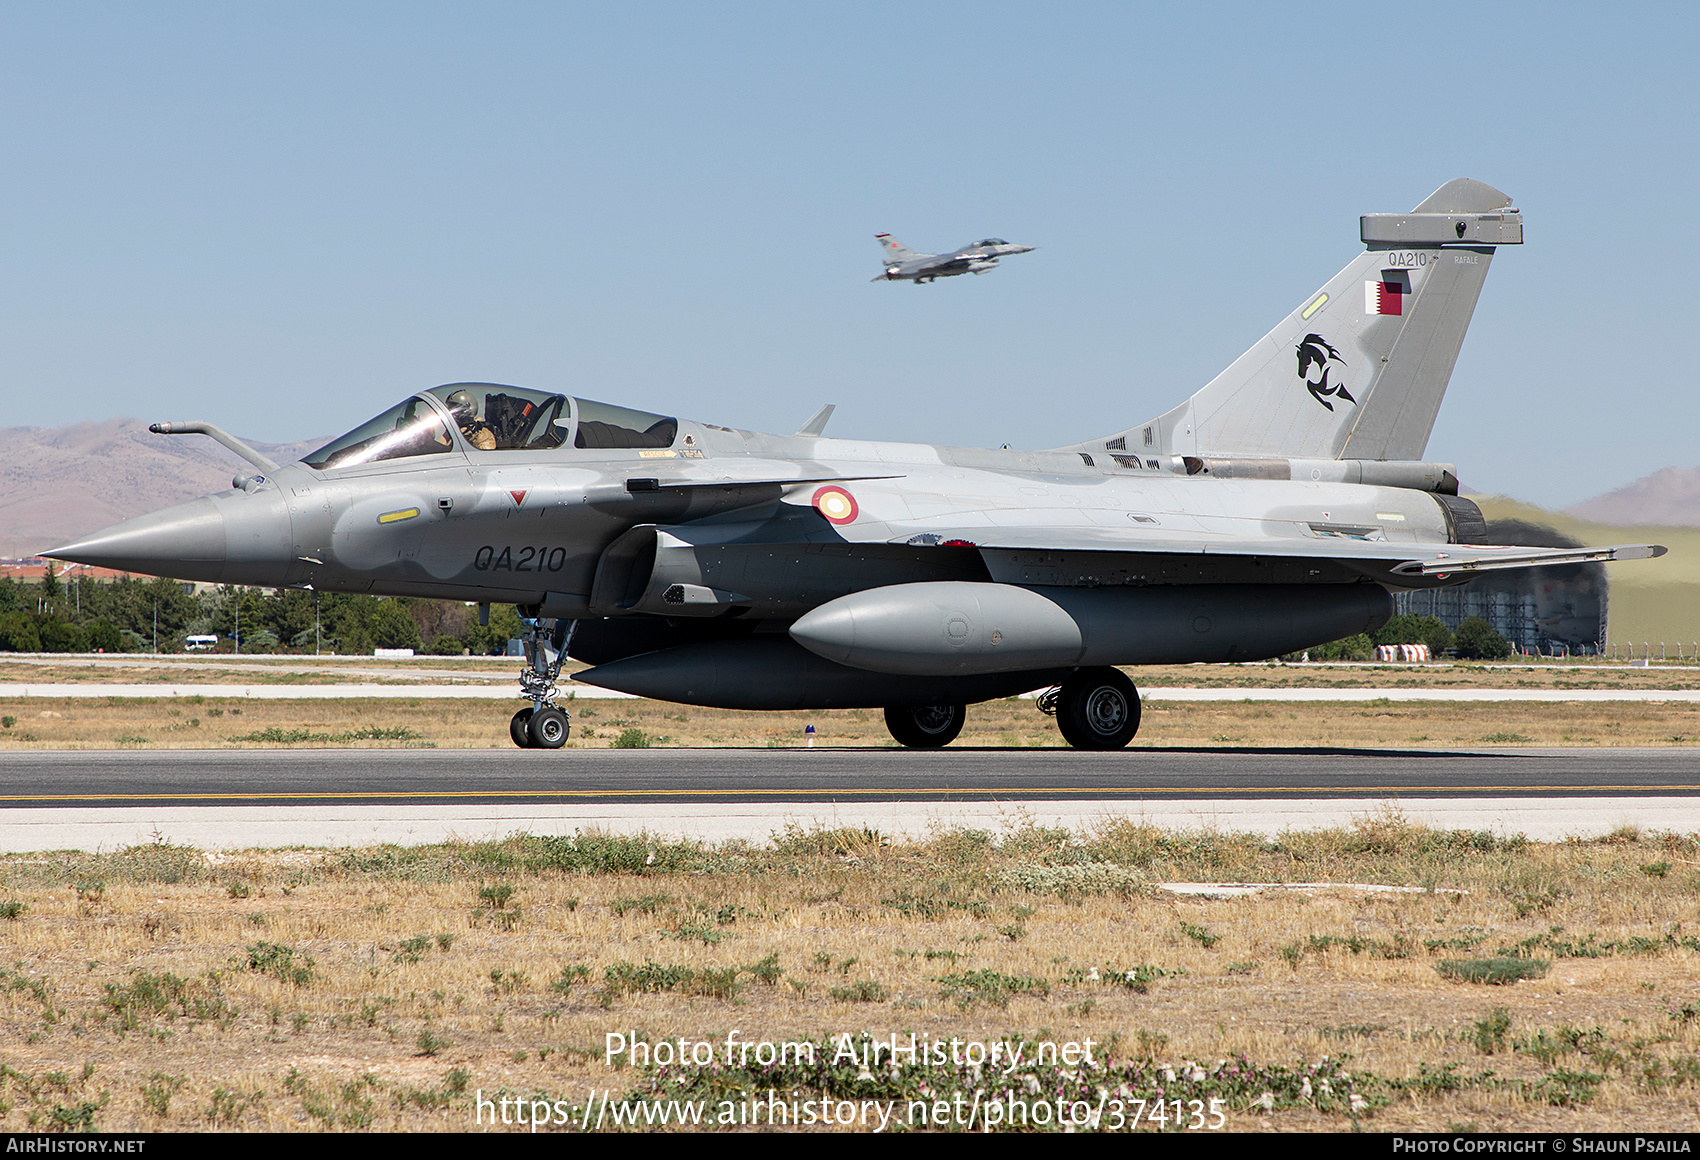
(284, 218)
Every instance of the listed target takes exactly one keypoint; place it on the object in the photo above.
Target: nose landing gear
(544, 725)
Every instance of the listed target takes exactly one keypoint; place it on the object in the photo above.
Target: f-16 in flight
(902, 263)
(1277, 508)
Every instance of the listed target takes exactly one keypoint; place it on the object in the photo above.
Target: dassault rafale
(1277, 508)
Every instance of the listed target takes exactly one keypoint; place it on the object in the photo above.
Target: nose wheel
(548, 728)
(543, 724)
(517, 727)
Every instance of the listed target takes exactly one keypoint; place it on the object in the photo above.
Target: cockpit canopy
(479, 417)
(991, 242)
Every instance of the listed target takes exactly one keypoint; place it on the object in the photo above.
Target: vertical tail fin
(1359, 369)
(895, 251)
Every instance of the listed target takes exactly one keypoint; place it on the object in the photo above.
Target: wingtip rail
(1513, 558)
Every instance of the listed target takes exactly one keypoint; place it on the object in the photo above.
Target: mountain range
(1668, 498)
(58, 483)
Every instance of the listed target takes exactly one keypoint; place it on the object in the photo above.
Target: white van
(200, 643)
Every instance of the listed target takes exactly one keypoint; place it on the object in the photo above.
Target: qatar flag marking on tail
(1384, 298)
(519, 497)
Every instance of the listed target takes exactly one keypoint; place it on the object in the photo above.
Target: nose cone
(186, 542)
(828, 631)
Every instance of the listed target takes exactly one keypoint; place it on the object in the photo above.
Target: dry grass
(187, 661)
(305, 671)
(270, 670)
(137, 987)
(211, 722)
(1556, 675)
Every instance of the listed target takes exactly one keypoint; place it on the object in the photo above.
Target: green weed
(283, 963)
(862, 991)
(968, 988)
(647, 904)
(1200, 935)
(228, 1105)
(156, 1096)
(149, 995)
(1494, 972)
(1490, 1031)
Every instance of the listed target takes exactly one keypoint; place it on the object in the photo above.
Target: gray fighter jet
(1277, 508)
(902, 263)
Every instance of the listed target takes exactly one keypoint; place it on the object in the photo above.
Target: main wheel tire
(1098, 709)
(926, 727)
(548, 728)
(517, 728)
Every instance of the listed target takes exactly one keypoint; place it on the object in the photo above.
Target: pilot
(477, 432)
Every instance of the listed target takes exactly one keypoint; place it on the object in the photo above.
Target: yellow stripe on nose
(397, 517)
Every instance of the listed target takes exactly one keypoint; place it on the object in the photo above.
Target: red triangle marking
(519, 498)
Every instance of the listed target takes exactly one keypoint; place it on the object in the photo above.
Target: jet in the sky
(1277, 508)
(902, 263)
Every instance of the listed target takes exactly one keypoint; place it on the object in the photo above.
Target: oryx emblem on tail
(1315, 350)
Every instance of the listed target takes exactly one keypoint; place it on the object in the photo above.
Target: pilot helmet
(462, 407)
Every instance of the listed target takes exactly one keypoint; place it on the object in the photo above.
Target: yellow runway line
(815, 792)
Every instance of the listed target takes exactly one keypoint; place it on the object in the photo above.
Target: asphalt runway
(107, 778)
(227, 799)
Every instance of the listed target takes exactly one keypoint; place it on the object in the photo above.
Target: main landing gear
(543, 725)
(927, 727)
(1095, 708)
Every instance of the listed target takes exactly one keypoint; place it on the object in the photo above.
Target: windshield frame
(437, 413)
(565, 415)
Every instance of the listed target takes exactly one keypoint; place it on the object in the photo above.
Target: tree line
(1475, 639)
(131, 613)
